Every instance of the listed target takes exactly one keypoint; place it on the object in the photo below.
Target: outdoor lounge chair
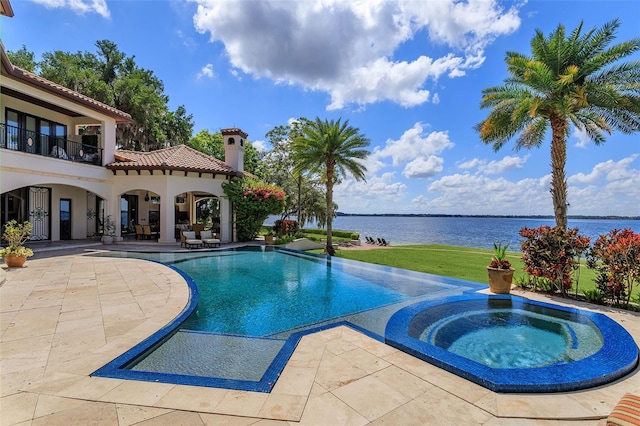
(627, 412)
(139, 233)
(148, 233)
(190, 240)
(208, 239)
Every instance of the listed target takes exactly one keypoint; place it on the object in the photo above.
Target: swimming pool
(510, 344)
(249, 308)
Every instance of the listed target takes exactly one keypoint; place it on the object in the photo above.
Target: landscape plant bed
(465, 263)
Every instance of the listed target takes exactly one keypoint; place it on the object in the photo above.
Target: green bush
(253, 202)
(595, 295)
(335, 233)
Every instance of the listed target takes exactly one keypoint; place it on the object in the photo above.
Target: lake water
(463, 231)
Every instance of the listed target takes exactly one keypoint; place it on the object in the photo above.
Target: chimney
(234, 140)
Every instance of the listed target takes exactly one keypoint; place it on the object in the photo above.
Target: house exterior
(60, 168)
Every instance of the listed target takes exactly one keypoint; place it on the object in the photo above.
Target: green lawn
(451, 261)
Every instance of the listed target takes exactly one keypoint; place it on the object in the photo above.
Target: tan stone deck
(64, 316)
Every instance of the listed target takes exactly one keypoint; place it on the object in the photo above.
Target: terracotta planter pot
(268, 239)
(500, 280)
(14, 261)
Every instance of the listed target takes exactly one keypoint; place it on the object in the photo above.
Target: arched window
(232, 141)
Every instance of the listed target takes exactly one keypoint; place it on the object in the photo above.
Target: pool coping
(618, 353)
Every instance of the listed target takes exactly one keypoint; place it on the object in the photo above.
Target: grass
(452, 261)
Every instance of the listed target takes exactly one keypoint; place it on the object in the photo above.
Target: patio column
(226, 221)
(167, 219)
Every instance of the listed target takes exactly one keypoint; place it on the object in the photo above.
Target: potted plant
(15, 254)
(109, 230)
(268, 238)
(500, 270)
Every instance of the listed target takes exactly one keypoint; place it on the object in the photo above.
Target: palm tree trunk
(558, 162)
(299, 212)
(329, 248)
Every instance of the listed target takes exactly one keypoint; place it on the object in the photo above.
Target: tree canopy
(213, 144)
(305, 195)
(331, 150)
(113, 78)
(568, 80)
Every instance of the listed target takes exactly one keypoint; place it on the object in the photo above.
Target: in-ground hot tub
(511, 344)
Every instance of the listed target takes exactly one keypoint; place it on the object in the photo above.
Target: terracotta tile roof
(234, 131)
(49, 86)
(175, 158)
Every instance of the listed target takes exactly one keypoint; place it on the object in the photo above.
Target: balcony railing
(17, 139)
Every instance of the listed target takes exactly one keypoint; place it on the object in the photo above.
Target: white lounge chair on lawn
(190, 240)
(208, 239)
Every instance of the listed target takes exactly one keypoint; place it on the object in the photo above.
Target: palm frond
(533, 134)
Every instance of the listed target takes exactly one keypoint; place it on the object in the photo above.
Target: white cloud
(477, 194)
(471, 164)
(610, 172)
(496, 166)
(80, 7)
(377, 193)
(422, 168)
(261, 146)
(582, 139)
(206, 71)
(346, 47)
(413, 144)
(612, 187)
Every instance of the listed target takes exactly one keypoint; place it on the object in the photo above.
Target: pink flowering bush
(253, 201)
(285, 227)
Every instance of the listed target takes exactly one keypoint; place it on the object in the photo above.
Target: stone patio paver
(63, 317)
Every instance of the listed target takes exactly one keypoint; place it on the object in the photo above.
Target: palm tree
(331, 149)
(569, 80)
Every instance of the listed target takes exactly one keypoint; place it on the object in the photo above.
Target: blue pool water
(249, 308)
(256, 293)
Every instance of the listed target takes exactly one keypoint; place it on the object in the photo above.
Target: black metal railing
(17, 139)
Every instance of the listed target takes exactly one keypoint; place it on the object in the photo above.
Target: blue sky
(408, 74)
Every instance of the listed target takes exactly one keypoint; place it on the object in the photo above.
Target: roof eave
(125, 167)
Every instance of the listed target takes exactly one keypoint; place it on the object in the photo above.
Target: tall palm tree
(568, 80)
(331, 149)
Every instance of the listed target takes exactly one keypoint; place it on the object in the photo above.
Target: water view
(479, 232)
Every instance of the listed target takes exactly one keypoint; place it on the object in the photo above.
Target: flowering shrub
(616, 258)
(253, 202)
(553, 253)
(285, 227)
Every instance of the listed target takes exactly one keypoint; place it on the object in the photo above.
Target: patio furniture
(197, 228)
(148, 233)
(208, 239)
(139, 232)
(627, 412)
(189, 240)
